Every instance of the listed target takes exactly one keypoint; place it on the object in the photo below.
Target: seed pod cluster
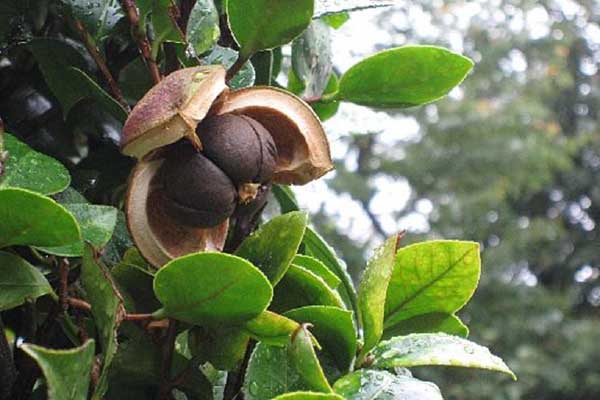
(202, 188)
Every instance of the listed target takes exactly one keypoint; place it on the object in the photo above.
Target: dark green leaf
(438, 276)
(429, 323)
(98, 16)
(265, 24)
(318, 268)
(316, 246)
(263, 65)
(367, 384)
(119, 242)
(67, 372)
(202, 27)
(303, 357)
(134, 80)
(165, 26)
(32, 219)
(63, 69)
(327, 109)
(136, 282)
(371, 293)
(96, 223)
(436, 349)
(286, 198)
(404, 77)
(224, 347)
(272, 247)
(26, 168)
(300, 287)
(311, 58)
(333, 328)
(107, 310)
(19, 282)
(226, 57)
(271, 328)
(212, 288)
(323, 7)
(309, 396)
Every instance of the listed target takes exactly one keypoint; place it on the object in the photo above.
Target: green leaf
(429, 323)
(367, 384)
(333, 328)
(136, 282)
(309, 396)
(336, 20)
(436, 349)
(226, 57)
(32, 219)
(316, 246)
(67, 372)
(323, 7)
(371, 293)
(311, 58)
(300, 287)
(271, 328)
(27, 169)
(304, 358)
(165, 27)
(403, 77)
(63, 69)
(119, 243)
(202, 27)
(265, 24)
(224, 347)
(107, 310)
(437, 276)
(212, 288)
(318, 268)
(262, 62)
(97, 224)
(98, 16)
(273, 246)
(19, 282)
(327, 109)
(286, 198)
(134, 80)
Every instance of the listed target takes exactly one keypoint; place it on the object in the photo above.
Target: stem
(235, 379)
(138, 317)
(167, 359)
(93, 50)
(80, 304)
(140, 37)
(8, 373)
(64, 283)
(324, 98)
(237, 65)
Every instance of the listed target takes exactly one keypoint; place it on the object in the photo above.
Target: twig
(64, 283)
(138, 317)
(235, 379)
(80, 304)
(140, 37)
(93, 50)
(167, 359)
(237, 65)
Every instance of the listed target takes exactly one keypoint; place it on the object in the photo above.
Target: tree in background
(512, 159)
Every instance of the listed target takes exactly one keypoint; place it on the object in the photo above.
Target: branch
(167, 360)
(93, 50)
(131, 11)
(79, 304)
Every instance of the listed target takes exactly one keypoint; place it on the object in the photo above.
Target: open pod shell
(170, 112)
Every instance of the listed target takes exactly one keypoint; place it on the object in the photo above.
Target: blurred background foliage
(512, 160)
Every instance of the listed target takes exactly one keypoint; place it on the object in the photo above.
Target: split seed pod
(171, 111)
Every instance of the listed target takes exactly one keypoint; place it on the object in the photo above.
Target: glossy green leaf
(224, 346)
(333, 328)
(137, 283)
(286, 198)
(273, 246)
(318, 268)
(303, 357)
(226, 57)
(311, 58)
(436, 276)
(96, 223)
(403, 77)
(335, 20)
(309, 396)
(63, 69)
(323, 7)
(202, 27)
(265, 24)
(98, 16)
(67, 372)
(367, 384)
(20, 281)
(429, 323)
(26, 168)
(371, 292)
(119, 243)
(29, 218)
(300, 287)
(212, 288)
(271, 328)
(107, 310)
(436, 349)
(262, 62)
(165, 26)
(316, 246)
